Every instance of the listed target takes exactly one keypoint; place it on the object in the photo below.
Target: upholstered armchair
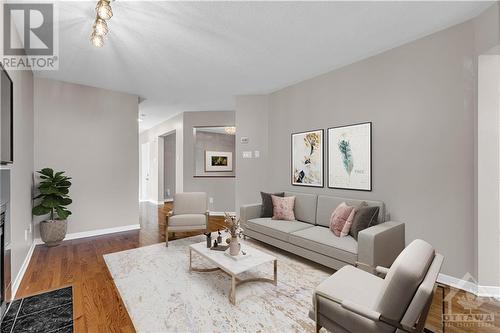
(189, 214)
(398, 300)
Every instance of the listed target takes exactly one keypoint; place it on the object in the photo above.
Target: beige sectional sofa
(309, 235)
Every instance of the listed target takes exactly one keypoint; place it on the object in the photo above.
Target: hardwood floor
(98, 306)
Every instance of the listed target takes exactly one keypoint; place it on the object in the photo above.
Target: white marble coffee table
(234, 267)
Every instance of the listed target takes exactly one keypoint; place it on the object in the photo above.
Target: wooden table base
(235, 281)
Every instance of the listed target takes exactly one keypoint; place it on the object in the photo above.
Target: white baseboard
(469, 286)
(152, 201)
(97, 232)
(220, 213)
(24, 267)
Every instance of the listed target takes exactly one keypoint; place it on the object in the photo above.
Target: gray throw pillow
(364, 218)
(267, 203)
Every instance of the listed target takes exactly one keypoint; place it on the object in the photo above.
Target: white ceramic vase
(234, 246)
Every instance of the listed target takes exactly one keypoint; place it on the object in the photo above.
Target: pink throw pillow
(348, 224)
(283, 208)
(339, 218)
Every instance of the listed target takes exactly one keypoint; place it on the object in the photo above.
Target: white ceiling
(192, 56)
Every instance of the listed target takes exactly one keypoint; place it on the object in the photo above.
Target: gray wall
(212, 142)
(22, 168)
(252, 121)
(169, 166)
(221, 189)
(91, 134)
(421, 99)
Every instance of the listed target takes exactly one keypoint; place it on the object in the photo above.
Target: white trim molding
(22, 270)
(97, 232)
(469, 286)
(220, 213)
(152, 202)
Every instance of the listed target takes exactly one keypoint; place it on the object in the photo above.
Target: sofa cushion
(276, 228)
(364, 218)
(267, 203)
(358, 287)
(403, 279)
(283, 208)
(305, 206)
(187, 220)
(327, 204)
(322, 240)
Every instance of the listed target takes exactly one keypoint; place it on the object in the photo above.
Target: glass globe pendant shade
(96, 40)
(100, 27)
(104, 10)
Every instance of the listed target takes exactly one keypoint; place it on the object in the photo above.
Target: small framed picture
(307, 158)
(350, 157)
(218, 161)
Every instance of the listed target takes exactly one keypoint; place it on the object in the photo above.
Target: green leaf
(64, 183)
(50, 190)
(65, 201)
(51, 201)
(62, 213)
(47, 172)
(59, 174)
(40, 210)
(63, 190)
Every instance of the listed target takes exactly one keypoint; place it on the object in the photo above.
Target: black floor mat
(50, 312)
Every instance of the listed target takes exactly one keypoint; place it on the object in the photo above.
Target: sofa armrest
(380, 245)
(248, 212)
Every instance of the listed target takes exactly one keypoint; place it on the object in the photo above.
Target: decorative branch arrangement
(233, 225)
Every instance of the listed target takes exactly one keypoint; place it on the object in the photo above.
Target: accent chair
(398, 300)
(189, 214)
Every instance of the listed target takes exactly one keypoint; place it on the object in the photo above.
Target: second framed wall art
(307, 158)
(350, 157)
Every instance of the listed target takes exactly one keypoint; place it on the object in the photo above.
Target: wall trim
(96, 232)
(469, 286)
(220, 213)
(152, 201)
(20, 275)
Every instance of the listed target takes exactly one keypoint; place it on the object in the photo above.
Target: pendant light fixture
(100, 26)
(104, 10)
(96, 40)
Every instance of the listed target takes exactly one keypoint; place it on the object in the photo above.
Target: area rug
(162, 296)
(49, 312)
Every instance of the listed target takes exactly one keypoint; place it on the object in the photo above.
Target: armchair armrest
(361, 310)
(248, 212)
(381, 271)
(380, 245)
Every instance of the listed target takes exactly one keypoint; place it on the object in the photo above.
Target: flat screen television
(6, 118)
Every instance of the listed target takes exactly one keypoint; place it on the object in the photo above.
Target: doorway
(169, 155)
(145, 172)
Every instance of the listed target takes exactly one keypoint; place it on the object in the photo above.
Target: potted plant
(53, 199)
